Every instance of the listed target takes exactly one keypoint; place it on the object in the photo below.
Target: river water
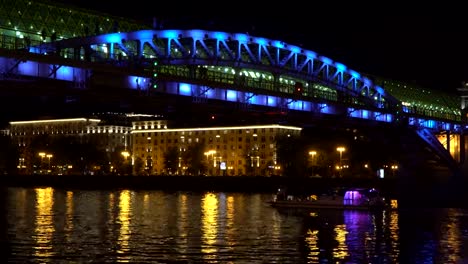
(47, 225)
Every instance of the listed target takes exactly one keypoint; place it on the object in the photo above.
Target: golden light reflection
(230, 213)
(44, 230)
(311, 240)
(341, 250)
(394, 236)
(451, 238)
(69, 215)
(209, 224)
(124, 218)
(183, 214)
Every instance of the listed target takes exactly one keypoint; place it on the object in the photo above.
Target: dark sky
(420, 44)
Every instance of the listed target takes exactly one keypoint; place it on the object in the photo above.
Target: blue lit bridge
(77, 51)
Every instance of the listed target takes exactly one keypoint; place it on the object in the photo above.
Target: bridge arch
(239, 55)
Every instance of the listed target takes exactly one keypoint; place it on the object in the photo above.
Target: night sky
(424, 45)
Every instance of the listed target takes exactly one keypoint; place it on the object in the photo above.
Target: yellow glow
(230, 213)
(311, 240)
(394, 236)
(209, 223)
(54, 120)
(69, 214)
(125, 154)
(124, 217)
(182, 224)
(216, 128)
(341, 251)
(451, 242)
(44, 230)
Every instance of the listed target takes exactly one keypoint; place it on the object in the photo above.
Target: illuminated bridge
(77, 50)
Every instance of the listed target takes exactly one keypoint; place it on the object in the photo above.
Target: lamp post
(126, 154)
(42, 155)
(49, 156)
(312, 154)
(208, 154)
(341, 150)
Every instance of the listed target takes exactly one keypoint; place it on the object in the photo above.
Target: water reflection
(124, 218)
(51, 225)
(44, 228)
(209, 225)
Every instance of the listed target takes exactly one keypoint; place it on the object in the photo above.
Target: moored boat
(353, 198)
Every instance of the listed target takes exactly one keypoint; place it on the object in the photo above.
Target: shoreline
(192, 183)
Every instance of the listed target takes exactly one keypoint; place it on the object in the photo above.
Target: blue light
(145, 34)
(271, 101)
(170, 34)
(255, 100)
(326, 60)
(261, 41)
(65, 73)
(111, 38)
(365, 114)
(354, 74)
(185, 89)
(209, 93)
(296, 105)
(220, 35)
(197, 34)
(278, 44)
(136, 82)
(28, 68)
(379, 89)
(431, 124)
(307, 106)
(366, 81)
(310, 54)
(231, 95)
(341, 67)
(295, 49)
(241, 38)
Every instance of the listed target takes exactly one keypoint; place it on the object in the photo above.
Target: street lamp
(126, 154)
(208, 154)
(49, 156)
(312, 155)
(341, 150)
(42, 155)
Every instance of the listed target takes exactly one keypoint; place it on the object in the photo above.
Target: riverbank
(192, 183)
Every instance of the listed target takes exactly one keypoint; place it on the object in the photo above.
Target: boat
(352, 198)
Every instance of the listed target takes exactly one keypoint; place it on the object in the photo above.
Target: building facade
(230, 150)
(33, 139)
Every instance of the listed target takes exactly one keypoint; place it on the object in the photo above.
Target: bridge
(76, 49)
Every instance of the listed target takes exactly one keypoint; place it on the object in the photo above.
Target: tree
(292, 152)
(194, 158)
(171, 160)
(138, 166)
(8, 155)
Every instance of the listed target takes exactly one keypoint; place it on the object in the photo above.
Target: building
(34, 141)
(229, 150)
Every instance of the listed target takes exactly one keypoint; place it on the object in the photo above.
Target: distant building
(230, 150)
(84, 130)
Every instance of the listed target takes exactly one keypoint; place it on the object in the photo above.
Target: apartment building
(227, 150)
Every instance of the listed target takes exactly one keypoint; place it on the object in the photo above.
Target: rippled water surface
(46, 225)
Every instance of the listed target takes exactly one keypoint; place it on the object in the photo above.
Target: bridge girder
(199, 47)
